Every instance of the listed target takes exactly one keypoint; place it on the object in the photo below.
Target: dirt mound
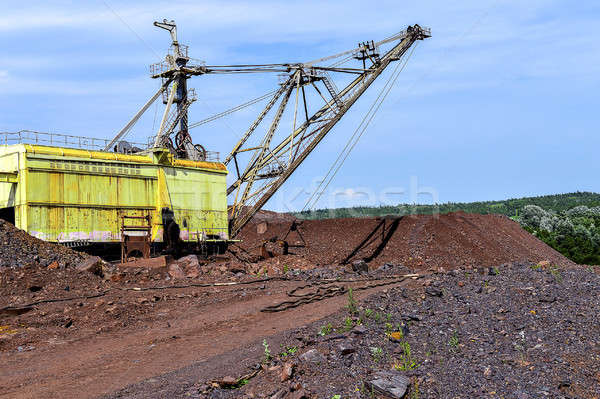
(18, 249)
(419, 242)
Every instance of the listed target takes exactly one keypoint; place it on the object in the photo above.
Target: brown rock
(176, 272)
(93, 264)
(299, 394)
(53, 265)
(227, 381)
(287, 371)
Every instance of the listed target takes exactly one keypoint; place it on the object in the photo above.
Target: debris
(287, 371)
(93, 264)
(360, 266)
(392, 384)
(176, 272)
(346, 348)
(151, 263)
(312, 356)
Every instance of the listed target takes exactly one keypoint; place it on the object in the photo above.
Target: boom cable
(353, 140)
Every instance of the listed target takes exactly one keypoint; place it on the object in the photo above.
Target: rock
(299, 394)
(359, 329)
(433, 291)
(392, 384)
(360, 266)
(176, 272)
(287, 371)
(279, 394)
(346, 348)
(386, 267)
(192, 272)
(93, 265)
(312, 356)
(262, 228)
(227, 381)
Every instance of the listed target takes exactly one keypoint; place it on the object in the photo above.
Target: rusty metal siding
(76, 195)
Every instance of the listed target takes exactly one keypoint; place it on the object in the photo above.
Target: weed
(496, 271)
(453, 342)
(348, 324)
(326, 329)
(536, 267)
(555, 272)
(267, 351)
(388, 329)
(388, 317)
(240, 383)
(352, 307)
(377, 353)
(415, 393)
(285, 269)
(378, 317)
(337, 396)
(368, 313)
(288, 351)
(406, 360)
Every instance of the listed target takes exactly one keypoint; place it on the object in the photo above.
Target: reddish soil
(419, 242)
(86, 347)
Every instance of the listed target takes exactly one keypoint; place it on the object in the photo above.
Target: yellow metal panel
(7, 194)
(70, 152)
(69, 195)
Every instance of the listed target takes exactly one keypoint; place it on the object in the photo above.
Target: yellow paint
(63, 195)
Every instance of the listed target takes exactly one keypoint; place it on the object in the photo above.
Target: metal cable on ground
(327, 292)
(316, 195)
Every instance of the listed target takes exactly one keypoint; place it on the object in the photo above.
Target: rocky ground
(518, 330)
(18, 249)
(476, 327)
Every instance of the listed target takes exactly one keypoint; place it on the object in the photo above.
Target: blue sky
(501, 102)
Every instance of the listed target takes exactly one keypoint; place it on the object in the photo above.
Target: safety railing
(55, 140)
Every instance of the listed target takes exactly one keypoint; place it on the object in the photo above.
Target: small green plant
(368, 313)
(240, 383)
(453, 342)
(288, 351)
(285, 269)
(338, 396)
(388, 317)
(388, 329)
(496, 271)
(377, 353)
(415, 393)
(348, 324)
(378, 317)
(352, 306)
(536, 267)
(555, 272)
(267, 351)
(326, 329)
(406, 360)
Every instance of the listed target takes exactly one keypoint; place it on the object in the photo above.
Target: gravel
(514, 331)
(19, 249)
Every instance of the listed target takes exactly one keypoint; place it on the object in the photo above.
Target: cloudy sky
(501, 102)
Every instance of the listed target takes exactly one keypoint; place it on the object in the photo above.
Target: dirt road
(96, 365)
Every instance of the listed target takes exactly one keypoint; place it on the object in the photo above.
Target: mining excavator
(171, 191)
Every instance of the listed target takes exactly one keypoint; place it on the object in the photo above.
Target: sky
(500, 102)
